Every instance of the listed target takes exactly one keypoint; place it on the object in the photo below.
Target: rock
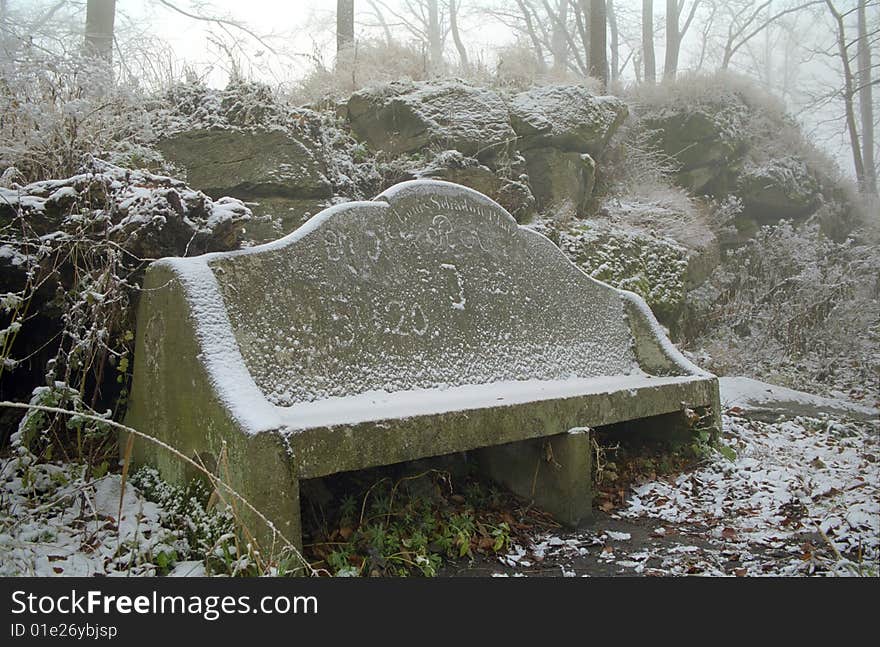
(707, 141)
(67, 239)
(517, 198)
(403, 117)
(566, 117)
(763, 401)
(513, 195)
(682, 223)
(248, 164)
(277, 217)
(147, 215)
(653, 267)
(560, 179)
(780, 188)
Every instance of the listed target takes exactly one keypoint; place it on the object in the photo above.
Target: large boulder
(513, 195)
(707, 141)
(146, 215)
(248, 163)
(674, 219)
(779, 188)
(566, 117)
(404, 117)
(561, 179)
(74, 251)
(651, 266)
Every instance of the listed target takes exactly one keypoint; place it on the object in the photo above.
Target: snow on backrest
(430, 285)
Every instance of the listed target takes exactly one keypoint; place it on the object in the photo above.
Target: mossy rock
(566, 117)
(561, 179)
(707, 142)
(248, 164)
(780, 188)
(404, 117)
(653, 267)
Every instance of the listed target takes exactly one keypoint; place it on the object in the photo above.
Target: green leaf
(728, 452)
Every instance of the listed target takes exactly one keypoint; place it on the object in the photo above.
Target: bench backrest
(429, 285)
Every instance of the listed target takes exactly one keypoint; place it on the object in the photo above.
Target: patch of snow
(749, 395)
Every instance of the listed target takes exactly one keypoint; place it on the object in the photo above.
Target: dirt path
(802, 497)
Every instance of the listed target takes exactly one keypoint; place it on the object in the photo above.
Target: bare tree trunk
(4, 11)
(598, 42)
(100, 16)
(866, 104)
(615, 42)
(456, 36)
(435, 39)
(344, 25)
(560, 39)
(533, 36)
(381, 18)
(648, 41)
(848, 93)
(673, 40)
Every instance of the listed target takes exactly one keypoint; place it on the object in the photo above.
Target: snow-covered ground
(802, 497)
(56, 521)
(762, 399)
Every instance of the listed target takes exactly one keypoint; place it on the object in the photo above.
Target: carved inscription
(451, 228)
(428, 290)
(406, 319)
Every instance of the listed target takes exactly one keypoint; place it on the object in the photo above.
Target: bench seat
(338, 434)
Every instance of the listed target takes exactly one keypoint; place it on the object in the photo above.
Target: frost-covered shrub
(371, 62)
(72, 252)
(632, 162)
(795, 307)
(731, 111)
(518, 68)
(56, 111)
(198, 528)
(240, 106)
(39, 430)
(692, 90)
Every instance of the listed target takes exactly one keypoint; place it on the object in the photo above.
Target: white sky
(297, 28)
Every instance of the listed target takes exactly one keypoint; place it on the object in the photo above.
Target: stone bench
(422, 323)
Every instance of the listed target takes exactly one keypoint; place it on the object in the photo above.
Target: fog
(795, 57)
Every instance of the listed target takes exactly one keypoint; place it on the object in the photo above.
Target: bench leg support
(553, 472)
